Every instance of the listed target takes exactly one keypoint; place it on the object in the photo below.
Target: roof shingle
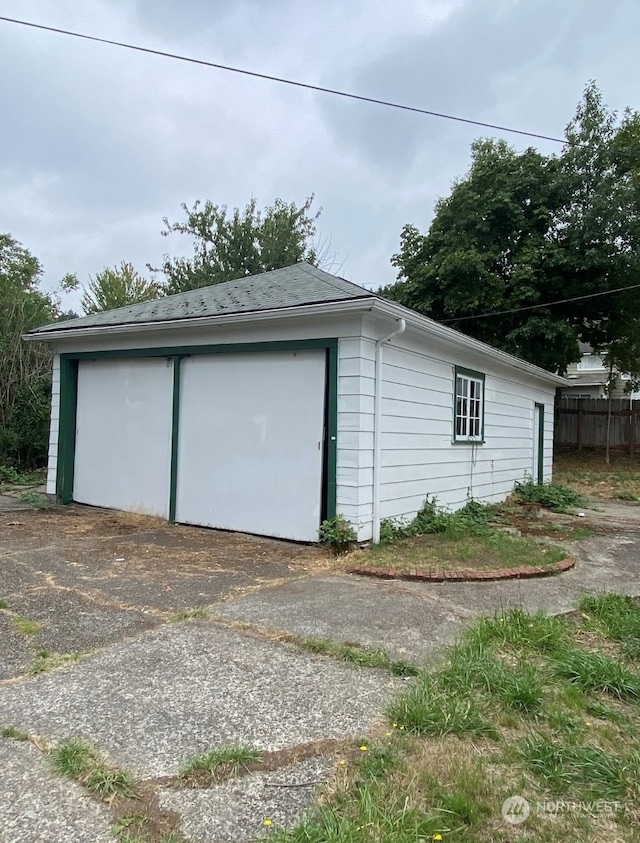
(292, 286)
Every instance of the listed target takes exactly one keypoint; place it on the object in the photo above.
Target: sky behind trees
(98, 144)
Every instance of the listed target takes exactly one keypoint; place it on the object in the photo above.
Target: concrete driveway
(152, 690)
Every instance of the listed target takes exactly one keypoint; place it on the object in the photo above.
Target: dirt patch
(588, 473)
(91, 576)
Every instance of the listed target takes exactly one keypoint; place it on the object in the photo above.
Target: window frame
(470, 375)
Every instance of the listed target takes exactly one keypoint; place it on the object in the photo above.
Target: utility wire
(535, 306)
(282, 80)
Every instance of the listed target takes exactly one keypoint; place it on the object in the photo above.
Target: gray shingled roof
(291, 286)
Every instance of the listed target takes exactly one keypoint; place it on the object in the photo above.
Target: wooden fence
(582, 423)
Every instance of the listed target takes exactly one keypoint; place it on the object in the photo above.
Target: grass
(80, 761)
(26, 627)
(589, 474)
(35, 499)
(45, 661)
(617, 617)
(14, 734)
(3, 603)
(187, 614)
(220, 762)
(489, 550)
(598, 672)
(358, 655)
(522, 705)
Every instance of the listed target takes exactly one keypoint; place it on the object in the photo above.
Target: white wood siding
(418, 456)
(52, 464)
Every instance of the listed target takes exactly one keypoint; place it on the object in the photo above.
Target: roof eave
(429, 326)
(320, 308)
(367, 303)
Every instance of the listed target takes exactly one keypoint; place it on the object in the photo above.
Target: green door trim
(175, 424)
(66, 429)
(69, 402)
(540, 443)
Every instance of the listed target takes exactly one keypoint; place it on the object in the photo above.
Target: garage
(250, 442)
(269, 403)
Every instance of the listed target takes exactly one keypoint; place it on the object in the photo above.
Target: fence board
(582, 423)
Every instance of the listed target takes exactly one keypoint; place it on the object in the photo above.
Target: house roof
(300, 284)
(298, 289)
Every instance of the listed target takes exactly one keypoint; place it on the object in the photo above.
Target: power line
(535, 306)
(307, 86)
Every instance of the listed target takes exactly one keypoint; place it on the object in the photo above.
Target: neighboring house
(267, 404)
(588, 378)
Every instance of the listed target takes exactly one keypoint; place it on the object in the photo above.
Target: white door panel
(250, 450)
(123, 434)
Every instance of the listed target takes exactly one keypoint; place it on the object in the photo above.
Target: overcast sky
(98, 144)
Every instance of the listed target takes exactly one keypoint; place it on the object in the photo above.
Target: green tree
(228, 246)
(523, 229)
(25, 368)
(117, 287)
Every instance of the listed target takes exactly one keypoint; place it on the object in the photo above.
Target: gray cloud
(98, 144)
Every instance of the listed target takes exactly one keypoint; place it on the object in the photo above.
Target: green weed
(25, 626)
(35, 499)
(79, 760)
(231, 759)
(45, 661)
(355, 654)
(554, 496)
(337, 534)
(14, 734)
(187, 614)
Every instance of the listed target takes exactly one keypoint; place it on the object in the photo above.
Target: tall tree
(117, 287)
(228, 246)
(24, 367)
(523, 229)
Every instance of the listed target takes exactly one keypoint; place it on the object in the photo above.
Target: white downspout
(377, 415)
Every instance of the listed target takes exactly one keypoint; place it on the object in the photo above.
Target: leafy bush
(337, 533)
(24, 438)
(554, 496)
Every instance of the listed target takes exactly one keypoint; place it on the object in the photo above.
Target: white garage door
(250, 450)
(123, 434)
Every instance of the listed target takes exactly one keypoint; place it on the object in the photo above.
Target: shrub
(554, 496)
(472, 518)
(337, 533)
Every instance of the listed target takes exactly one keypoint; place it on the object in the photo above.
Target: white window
(469, 405)
(590, 361)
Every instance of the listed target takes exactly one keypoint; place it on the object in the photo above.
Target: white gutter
(377, 419)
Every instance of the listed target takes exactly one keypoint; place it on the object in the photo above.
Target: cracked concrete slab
(415, 620)
(185, 688)
(74, 623)
(235, 812)
(35, 805)
(373, 613)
